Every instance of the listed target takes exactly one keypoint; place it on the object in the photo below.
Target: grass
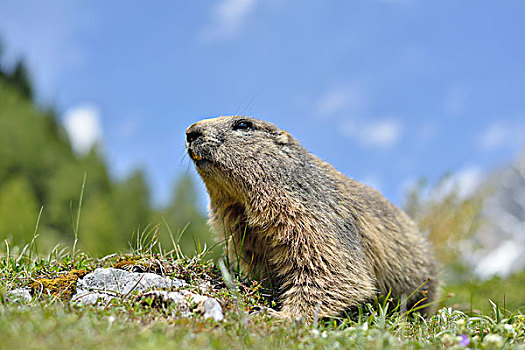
(49, 321)
(478, 296)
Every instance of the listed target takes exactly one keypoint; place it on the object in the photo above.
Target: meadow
(49, 320)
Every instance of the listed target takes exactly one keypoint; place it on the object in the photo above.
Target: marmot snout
(323, 237)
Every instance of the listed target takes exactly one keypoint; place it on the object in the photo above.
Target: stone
(166, 298)
(105, 284)
(123, 282)
(20, 295)
(210, 308)
(91, 298)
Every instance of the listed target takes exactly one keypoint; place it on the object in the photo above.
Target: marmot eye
(242, 125)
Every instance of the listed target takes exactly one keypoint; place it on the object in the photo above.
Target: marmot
(330, 242)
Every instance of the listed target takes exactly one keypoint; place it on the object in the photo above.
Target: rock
(210, 308)
(166, 298)
(106, 284)
(103, 285)
(91, 298)
(20, 295)
(123, 282)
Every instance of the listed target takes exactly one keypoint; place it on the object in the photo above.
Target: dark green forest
(40, 172)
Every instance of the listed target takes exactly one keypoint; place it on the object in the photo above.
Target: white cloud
(456, 99)
(377, 133)
(82, 124)
(465, 182)
(501, 260)
(332, 102)
(350, 98)
(502, 135)
(494, 136)
(382, 133)
(408, 185)
(228, 17)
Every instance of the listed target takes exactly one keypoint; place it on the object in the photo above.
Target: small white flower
(461, 323)
(494, 339)
(509, 329)
(449, 339)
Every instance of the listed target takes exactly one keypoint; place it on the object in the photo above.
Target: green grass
(50, 322)
(46, 326)
(478, 296)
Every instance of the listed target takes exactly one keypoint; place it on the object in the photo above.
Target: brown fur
(322, 236)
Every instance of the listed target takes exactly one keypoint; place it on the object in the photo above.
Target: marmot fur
(329, 242)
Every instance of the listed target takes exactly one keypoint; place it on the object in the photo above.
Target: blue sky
(387, 91)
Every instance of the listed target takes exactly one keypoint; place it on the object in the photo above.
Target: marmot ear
(282, 137)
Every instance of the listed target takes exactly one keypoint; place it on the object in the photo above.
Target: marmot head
(237, 151)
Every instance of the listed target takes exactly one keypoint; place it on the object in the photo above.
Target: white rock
(83, 297)
(124, 282)
(173, 298)
(208, 307)
(103, 285)
(211, 308)
(20, 295)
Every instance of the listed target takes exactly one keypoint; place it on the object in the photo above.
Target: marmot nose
(192, 135)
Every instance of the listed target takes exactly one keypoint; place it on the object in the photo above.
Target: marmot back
(323, 237)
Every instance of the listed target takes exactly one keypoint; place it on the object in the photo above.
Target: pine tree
(183, 210)
(2, 75)
(18, 210)
(98, 230)
(20, 79)
(132, 204)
